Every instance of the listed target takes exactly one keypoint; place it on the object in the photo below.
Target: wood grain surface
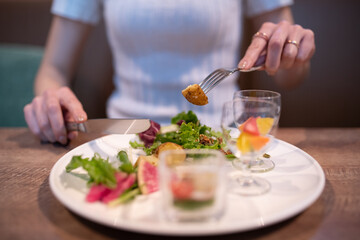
(28, 209)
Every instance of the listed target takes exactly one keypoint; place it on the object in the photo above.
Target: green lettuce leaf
(190, 116)
(99, 169)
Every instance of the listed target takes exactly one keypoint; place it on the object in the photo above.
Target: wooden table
(28, 209)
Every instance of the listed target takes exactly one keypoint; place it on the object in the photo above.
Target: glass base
(249, 186)
(262, 165)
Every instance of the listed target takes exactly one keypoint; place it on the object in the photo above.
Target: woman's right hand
(47, 113)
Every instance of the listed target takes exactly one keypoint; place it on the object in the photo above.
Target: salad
(115, 185)
(185, 130)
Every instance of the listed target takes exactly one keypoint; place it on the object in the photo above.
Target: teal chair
(18, 67)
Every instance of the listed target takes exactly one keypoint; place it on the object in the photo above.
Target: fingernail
(243, 65)
(80, 118)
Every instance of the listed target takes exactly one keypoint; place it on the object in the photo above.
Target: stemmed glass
(246, 123)
(263, 164)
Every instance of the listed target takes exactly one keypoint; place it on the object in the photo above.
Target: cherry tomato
(182, 189)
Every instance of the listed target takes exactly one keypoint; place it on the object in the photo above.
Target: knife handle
(73, 126)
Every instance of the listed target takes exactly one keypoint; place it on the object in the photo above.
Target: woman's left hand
(285, 45)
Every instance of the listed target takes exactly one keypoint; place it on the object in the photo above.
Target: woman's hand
(55, 103)
(46, 115)
(286, 46)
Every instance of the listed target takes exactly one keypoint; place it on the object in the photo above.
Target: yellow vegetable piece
(243, 143)
(247, 142)
(264, 124)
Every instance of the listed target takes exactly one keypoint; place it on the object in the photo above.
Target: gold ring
(293, 42)
(261, 35)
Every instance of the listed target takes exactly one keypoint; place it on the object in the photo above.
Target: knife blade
(110, 126)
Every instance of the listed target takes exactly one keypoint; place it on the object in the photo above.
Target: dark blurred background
(328, 98)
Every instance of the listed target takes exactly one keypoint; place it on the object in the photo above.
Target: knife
(110, 126)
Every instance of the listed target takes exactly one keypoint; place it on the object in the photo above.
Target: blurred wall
(328, 98)
(26, 23)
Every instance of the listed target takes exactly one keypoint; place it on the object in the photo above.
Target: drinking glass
(192, 184)
(246, 123)
(263, 163)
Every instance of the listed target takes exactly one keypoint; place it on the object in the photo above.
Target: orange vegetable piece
(258, 142)
(247, 142)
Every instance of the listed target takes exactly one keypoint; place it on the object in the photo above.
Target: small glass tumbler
(192, 184)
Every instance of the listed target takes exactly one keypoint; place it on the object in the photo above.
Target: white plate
(297, 181)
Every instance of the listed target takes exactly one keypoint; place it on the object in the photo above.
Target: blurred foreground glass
(246, 124)
(192, 184)
(262, 164)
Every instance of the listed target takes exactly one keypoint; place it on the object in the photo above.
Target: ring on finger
(293, 42)
(261, 35)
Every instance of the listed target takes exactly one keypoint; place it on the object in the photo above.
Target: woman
(160, 47)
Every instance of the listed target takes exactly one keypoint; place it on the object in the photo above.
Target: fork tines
(213, 79)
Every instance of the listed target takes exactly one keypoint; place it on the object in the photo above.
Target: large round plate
(297, 181)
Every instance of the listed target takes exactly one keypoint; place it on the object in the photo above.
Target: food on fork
(195, 95)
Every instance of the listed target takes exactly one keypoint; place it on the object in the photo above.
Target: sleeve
(87, 11)
(257, 7)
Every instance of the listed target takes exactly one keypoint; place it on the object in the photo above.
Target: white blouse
(160, 47)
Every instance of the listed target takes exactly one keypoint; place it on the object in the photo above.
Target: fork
(214, 78)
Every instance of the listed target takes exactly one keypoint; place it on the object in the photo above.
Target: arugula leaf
(168, 137)
(190, 135)
(99, 169)
(76, 162)
(126, 165)
(128, 195)
(190, 116)
(150, 150)
(135, 144)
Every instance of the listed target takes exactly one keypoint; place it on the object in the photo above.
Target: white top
(160, 47)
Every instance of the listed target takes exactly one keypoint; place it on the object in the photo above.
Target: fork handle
(259, 63)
